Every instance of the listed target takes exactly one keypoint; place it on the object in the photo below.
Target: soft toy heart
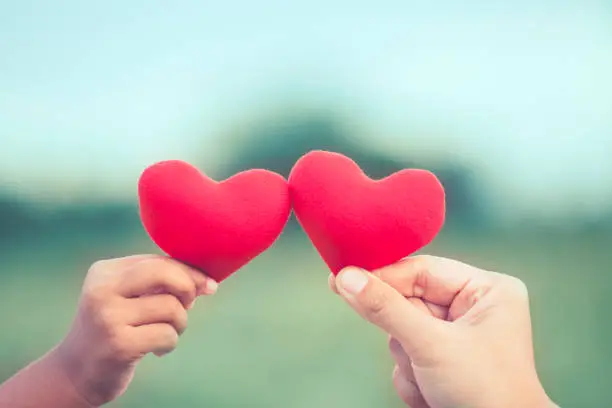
(354, 220)
(217, 227)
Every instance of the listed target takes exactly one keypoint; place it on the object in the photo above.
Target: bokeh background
(509, 103)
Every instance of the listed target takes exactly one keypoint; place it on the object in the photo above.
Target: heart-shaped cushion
(353, 220)
(217, 227)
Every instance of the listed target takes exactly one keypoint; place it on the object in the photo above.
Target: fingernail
(353, 280)
(210, 287)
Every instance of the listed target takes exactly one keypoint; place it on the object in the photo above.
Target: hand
(461, 336)
(129, 307)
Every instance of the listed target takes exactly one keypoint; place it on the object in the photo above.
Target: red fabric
(354, 220)
(217, 227)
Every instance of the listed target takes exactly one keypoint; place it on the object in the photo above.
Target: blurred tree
(16, 217)
(27, 225)
(277, 144)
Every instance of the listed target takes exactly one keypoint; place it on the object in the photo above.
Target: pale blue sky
(92, 92)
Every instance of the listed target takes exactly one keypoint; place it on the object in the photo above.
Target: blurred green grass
(275, 336)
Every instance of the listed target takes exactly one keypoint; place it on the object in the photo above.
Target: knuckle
(148, 266)
(186, 287)
(422, 262)
(183, 281)
(151, 268)
(173, 337)
(109, 318)
(155, 278)
(186, 295)
(169, 337)
(98, 266)
(179, 318)
(119, 347)
(516, 287)
(94, 298)
(165, 273)
(159, 265)
(421, 265)
(375, 304)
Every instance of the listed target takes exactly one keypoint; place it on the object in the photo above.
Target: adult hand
(461, 336)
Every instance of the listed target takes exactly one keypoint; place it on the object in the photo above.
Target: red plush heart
(354, 220)
(217, 227)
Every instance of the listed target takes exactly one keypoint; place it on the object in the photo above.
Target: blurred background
(509, 103)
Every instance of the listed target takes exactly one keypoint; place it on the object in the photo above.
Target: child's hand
(461, 336)
(129, 307)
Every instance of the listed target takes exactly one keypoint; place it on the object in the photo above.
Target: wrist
(98, 381)
(61, 364)
(43, 383)
(538, 398)
(525, 394)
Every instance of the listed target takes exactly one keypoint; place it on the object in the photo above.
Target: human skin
(129, 307)
(460, 336)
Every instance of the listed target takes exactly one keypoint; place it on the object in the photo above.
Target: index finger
(433, 279)
(159, 275)
(205, 285)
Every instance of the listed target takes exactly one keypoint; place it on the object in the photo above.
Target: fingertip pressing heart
(205, 285)
(210, 287)
(352, 280)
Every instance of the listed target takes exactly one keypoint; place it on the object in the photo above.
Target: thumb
(388, 309)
